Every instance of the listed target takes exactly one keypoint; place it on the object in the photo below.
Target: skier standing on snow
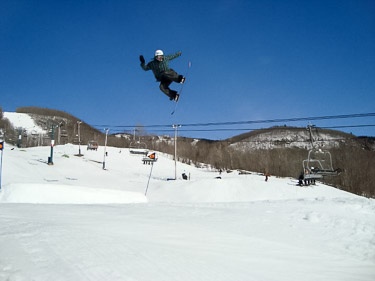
(163, 74)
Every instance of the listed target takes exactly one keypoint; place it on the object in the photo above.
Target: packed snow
(76, 221)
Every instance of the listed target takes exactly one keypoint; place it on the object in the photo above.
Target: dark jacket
(158, 67)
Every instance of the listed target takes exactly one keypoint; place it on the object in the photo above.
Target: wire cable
(231, 123)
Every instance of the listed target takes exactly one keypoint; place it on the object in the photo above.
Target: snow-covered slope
(24, 121)
(75, 221)
(28, 169)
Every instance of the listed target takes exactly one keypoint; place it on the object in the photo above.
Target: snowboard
(180, 91)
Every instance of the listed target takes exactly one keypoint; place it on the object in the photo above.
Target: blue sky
(251, 60)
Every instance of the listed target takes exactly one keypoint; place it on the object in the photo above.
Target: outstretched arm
(143, 63)
(171, 57)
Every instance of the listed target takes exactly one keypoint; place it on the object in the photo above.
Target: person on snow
(163, 74)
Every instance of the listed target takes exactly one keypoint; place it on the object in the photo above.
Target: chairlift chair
(319, 164)
(137, 147)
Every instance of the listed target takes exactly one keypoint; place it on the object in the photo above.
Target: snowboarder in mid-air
(163, 74)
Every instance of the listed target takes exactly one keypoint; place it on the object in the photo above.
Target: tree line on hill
(355, 157)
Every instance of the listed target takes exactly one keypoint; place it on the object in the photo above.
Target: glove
(142, 59)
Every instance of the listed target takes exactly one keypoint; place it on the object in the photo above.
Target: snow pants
(166, 79)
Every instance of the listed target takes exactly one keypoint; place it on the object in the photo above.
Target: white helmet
(159, 53)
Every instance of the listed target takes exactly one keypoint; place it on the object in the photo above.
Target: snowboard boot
(181, 79)
(172, 95)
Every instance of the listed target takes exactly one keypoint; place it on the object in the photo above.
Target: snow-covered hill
(24, 121)
(276, 137)
(76, 221)
(290, 137)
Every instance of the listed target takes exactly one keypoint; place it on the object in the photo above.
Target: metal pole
(50, 160)
(311, 137)
(175, 150)
(1, 163)
(59, 133)
(148, 182)
(105, 147)
(19, 142)
(79, 137)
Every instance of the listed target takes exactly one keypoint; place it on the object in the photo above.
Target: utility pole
(105, 147)
(175, 127)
